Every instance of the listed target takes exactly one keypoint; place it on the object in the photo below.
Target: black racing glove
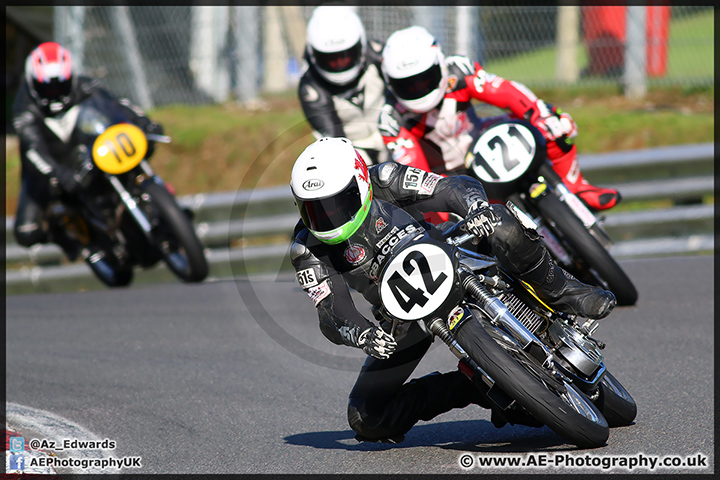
(66, 179)
(377, 343)
(155, 129)
(481, 219)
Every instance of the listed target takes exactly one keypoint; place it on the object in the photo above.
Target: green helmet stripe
(341, 234)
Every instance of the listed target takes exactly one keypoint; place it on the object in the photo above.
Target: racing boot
(596, 198)
(514, 416)
(562, 291)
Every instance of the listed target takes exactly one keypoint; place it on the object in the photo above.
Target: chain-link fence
(164, 54)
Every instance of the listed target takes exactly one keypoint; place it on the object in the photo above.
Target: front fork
(588, 219)
(128, 200)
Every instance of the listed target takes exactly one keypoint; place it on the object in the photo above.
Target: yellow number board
(120, 148)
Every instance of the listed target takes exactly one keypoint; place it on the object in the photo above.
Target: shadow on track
(472, 436)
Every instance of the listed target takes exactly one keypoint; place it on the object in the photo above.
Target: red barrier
(604, 35)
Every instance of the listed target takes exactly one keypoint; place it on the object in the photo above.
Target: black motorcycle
(509, 157)
(123, 216)
(528, 358)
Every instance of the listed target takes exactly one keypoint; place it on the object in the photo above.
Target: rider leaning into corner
(350, 215)
(428, 119)
(342, 90)
(44, 118)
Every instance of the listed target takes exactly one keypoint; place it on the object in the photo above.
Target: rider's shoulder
(384, 173)
(88, 85)
(312, 88)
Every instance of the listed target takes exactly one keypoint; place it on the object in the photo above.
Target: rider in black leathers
(44, 118)
(383, 407)
(344, 101)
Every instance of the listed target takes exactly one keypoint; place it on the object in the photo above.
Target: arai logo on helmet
(334, 42)
(407, 64)
(313, 184)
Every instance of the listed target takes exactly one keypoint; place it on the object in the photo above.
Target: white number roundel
(503, 153)
(417, 282)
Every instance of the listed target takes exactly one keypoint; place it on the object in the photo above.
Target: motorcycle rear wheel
(589, 248)
(522, 378)
(182, 250)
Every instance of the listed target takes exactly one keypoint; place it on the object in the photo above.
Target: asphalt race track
(235, 377)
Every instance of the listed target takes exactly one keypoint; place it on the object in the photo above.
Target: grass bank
(226, 147)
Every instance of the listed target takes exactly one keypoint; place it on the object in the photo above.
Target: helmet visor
(329, 213)
(336, 62)
(417, 86)
(54, 90)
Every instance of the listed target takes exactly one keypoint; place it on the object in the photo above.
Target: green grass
(690, 55)
(226, 148)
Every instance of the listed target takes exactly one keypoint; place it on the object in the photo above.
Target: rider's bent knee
(28, 234)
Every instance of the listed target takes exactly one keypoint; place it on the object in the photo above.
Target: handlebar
(158, 138)
(460, 239)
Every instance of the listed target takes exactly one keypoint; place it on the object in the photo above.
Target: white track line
(55, 428)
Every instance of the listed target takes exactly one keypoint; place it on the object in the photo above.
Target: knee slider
(28, 234)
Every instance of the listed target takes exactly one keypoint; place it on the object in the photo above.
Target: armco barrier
(229, 222)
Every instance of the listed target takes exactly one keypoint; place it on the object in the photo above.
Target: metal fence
(248, 232)
(158, 55)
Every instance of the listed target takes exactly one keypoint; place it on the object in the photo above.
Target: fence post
(275, 55)
(208, 61)
(635, 78)
(247, 23)
(127, 33)
(566, 68)
(466, 18)
(68, 24)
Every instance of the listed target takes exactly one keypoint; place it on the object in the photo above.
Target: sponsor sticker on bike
(455, 317)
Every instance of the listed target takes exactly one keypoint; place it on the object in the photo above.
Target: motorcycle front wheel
(556, 403)
(181, 249)
(107, 269)
(593, 254)
(615, 403)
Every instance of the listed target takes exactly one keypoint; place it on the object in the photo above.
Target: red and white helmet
(414, 68)
(48, 71)
(332, 189)
(336, 43)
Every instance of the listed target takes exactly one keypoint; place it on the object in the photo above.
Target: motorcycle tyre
(618, 409)
(177, 221)
(122, 276)
(587, 246)
(529, 392)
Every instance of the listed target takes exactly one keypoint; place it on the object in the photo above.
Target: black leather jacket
(351, 110)
(46, 141)
(400, 195)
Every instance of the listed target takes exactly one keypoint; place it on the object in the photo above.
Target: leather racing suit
(351, 110)
(46, 142)
(381, 405)
(439, 139)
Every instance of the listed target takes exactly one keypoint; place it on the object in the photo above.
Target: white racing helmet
(332, 189)
(414, 68)
(336, 43)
